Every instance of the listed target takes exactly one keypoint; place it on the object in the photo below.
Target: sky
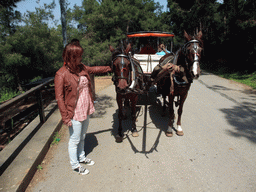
(30, 5)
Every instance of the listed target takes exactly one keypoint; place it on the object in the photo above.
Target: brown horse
(125, 85)
(184, 67)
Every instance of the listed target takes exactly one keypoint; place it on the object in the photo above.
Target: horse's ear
(199, 35)
(128, 48)
(187, 36)
(111, 48)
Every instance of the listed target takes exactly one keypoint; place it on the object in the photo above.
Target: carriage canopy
(149, 34)
(146, 46)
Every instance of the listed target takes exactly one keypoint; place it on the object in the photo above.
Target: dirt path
(102, 82)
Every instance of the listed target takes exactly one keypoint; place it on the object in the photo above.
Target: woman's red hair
(72, 55)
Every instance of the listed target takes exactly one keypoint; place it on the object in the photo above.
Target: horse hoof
(119, 139)
(169, 134)
(180, 133)
(135, 134)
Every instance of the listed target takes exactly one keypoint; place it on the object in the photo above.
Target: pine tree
(108, 21)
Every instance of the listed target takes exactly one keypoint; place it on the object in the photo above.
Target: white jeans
(76, 142)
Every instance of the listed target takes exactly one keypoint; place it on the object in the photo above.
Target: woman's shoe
(82, 171)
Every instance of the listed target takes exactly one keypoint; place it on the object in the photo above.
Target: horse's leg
(134, 99)
(165, 90)
(125, 108)
(171, 117)
(164, 105)
(179, 130)
(119, 137)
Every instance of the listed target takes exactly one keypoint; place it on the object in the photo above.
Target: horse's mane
(181, 57)
(117, 52)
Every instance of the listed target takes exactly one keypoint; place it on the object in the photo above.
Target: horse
(184, 67)
(126, 86)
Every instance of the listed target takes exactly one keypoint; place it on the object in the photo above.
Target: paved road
(217, 152)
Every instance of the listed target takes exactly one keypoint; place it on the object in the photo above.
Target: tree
(24, 58)
(63, 21)
(192, 16)
(238, 19)
(107, 22)
(8, 18)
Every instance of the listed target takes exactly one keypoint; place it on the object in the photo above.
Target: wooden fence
(37, 92)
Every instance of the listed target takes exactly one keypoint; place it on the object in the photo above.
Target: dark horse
(123, 67)
(183, 68)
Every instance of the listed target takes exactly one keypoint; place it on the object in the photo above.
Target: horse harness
(137, 75)
(115, 78)
(180, 80)
(195, 48)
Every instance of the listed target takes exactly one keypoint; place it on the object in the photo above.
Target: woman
(74, 96)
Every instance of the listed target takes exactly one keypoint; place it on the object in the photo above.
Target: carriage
(135, 75)
(146, 44)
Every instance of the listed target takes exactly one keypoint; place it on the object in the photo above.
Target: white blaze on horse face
(122, 63)
(196, 63)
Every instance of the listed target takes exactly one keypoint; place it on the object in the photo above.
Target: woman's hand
(69, 123)
(167, 66)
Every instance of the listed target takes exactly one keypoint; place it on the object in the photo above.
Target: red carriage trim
(150, 34)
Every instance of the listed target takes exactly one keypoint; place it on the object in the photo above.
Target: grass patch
(6, 94)
(246, 77)
(56, 138)
(39, 167)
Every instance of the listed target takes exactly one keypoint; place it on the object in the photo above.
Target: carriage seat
(148, 61)
(147, 50)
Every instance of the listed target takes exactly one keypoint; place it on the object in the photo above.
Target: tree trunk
(18, 80)
(63, 21)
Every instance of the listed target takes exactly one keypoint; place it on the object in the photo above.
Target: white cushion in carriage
(148, 61)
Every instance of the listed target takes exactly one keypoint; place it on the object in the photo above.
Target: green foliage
(38, 55)
(56, 138)
(39, 167)
(242, 76)
(33, 50)
(108, 21)
(6, 94)
(8, 18)
(227, 28)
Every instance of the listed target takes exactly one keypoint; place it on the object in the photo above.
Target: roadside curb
(19, 173)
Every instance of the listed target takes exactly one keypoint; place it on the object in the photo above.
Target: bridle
(122, 56)
(130, 82)
(195, 48)
(184, 51)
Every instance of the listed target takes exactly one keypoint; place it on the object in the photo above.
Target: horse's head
(121, 67)
(192, 50)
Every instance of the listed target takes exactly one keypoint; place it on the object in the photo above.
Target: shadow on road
(243, 121)
(91, 141)
(153, 121)
(126, 123)
(101, 104)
